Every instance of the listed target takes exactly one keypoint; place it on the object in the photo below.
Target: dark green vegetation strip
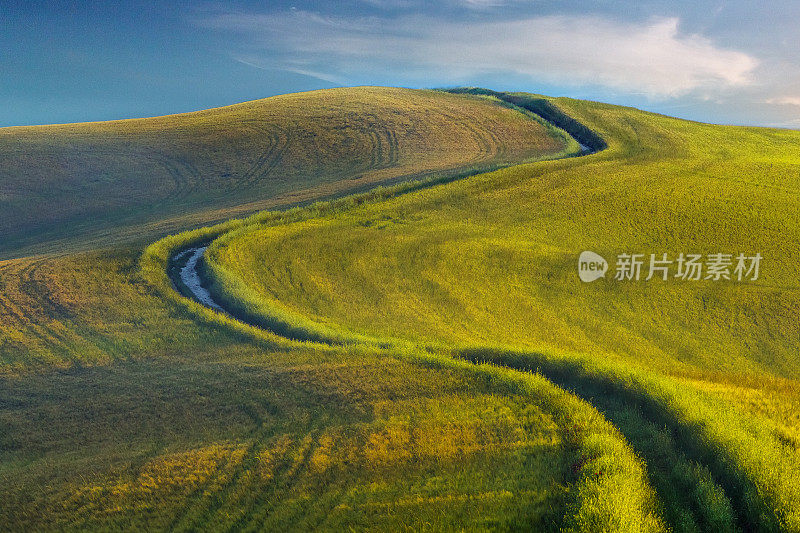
(546, 110)
(699, 483)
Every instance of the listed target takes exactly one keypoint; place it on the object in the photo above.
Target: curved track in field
(697, 494)
(697, 491)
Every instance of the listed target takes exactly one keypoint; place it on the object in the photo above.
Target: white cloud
(651, 58)
(784, 100)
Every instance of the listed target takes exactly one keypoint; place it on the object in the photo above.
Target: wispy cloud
(483, 4)
(784, 100)
(651, 58)
(392, 4)
(256, 62)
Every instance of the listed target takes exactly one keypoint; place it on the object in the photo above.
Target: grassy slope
(103, 183)
(700, 377)
(493, 259)
(47, 318)
(236, 435)
(120, 409)
(196, 425)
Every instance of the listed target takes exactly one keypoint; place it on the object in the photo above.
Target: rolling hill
(121, 410)
(486, 269)
(420, 356)
(100, 183)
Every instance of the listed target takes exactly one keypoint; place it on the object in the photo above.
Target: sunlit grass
(491, 261)
(124, 407)
(100, 184)
(428, 359)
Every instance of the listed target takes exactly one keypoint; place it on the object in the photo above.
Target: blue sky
(718, 61)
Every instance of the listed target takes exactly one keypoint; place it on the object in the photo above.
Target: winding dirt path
(697, 492)
(190, 276)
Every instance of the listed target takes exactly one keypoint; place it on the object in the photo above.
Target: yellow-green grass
(85, 185)
(194, 425)
(494, 257)
(241, 436)
(125, 407)
(56, 308)
(700, 377)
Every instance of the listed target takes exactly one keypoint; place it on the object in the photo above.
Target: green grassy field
(123, 409)
(699, 376)
(105, 183)
(429, 359)
(176, 423)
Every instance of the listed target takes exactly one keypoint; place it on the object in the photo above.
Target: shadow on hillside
(546, 110)
(699, 485)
